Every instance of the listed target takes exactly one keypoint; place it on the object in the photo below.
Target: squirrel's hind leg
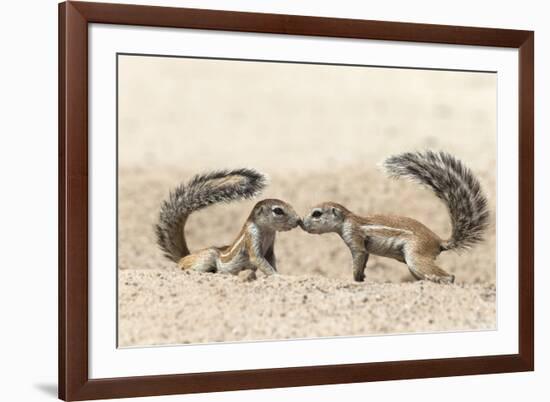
(425, 268)
(202, 261)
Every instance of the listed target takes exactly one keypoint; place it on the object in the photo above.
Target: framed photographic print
(259, 200)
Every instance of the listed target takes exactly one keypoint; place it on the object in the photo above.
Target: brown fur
(253, 248)
(200, 192)
(401, 238)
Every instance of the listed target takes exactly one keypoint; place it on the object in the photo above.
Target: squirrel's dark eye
(278, 211)
(316, 214)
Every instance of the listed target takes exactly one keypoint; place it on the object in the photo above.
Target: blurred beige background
(204, 114)
(318, 132)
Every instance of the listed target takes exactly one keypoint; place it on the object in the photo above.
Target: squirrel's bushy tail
(453, 183)
(203, 190)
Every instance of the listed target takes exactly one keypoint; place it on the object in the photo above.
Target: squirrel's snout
(300, 223)
(305, 225)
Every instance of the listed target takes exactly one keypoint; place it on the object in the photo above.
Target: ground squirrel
(254, 246)
(406, 239)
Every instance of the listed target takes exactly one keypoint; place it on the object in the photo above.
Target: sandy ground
(230, 308)
(319, 150)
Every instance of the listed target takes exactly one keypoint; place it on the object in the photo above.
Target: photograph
(248, 201)
(263, 200)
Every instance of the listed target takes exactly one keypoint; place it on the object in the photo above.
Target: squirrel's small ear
(336, 212)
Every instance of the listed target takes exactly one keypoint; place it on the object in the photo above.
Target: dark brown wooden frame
(74, 17)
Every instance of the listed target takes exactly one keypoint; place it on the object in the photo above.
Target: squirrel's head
(325, 218)
(276, 215)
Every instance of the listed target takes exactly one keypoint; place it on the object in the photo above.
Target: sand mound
(174, 307)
